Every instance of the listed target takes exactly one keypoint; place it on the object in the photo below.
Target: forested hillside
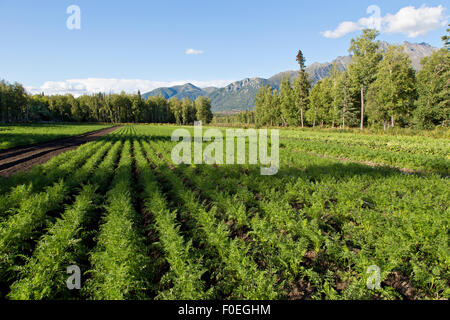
(240, 95)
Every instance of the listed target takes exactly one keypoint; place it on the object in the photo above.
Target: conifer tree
(302, 85)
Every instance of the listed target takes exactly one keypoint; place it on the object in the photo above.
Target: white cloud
(416, 22)
(408, 20)
(79, 87)
(193, 51)
(343, 29)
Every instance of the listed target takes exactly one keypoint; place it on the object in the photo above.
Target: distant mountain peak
(416, 51)
(240, 95)
(187, 90)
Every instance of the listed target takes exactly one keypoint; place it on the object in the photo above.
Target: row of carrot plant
(141, 227)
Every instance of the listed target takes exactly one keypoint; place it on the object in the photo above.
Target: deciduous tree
(362, 71)
(394, 89)
(433, 87)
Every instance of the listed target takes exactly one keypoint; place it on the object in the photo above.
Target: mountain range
(240, 95)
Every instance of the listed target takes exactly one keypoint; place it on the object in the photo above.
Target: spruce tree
(302, 85)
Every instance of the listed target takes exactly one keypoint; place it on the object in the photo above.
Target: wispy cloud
(79, 87)
(343, 29)
(410, 21)
(193, 51)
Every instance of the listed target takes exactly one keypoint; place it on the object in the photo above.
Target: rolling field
(140, 227)
(20, 135)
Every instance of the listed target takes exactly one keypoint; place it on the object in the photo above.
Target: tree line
(377, 89)
(16, 105)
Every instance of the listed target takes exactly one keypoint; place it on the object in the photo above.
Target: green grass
(24, 134)
(418, 153)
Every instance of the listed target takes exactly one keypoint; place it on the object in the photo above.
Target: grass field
(21, 135)
(140, 227)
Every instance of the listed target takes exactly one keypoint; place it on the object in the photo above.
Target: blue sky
(144, 43)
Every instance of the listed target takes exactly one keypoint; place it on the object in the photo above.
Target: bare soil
(24, 158)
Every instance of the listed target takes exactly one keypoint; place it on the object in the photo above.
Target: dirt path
(24, 158)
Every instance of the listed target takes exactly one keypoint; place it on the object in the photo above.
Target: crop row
(423, 162)
(141, 227)
(408, 144)
(350, 226)
(183, 280)
(33, 210)
(236, 273)
(120, 263)
(42, 276)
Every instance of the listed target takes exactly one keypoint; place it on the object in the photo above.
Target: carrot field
(140, 227)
